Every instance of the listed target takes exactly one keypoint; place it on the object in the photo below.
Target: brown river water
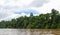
(29, 31)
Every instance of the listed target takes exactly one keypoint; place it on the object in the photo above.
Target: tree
(13, 23)
(31, 14)
(54, 15)
(43, 21)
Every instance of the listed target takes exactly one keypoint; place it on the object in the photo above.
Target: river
(29, 32)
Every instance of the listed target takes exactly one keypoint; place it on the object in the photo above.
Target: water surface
(29, 32)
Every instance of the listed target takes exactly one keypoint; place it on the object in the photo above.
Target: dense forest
(43, 21)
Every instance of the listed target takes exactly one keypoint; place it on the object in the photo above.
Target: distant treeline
(43, 21)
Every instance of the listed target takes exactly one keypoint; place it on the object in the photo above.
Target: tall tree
(54, 15)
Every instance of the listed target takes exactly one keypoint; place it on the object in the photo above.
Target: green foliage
(43, 21)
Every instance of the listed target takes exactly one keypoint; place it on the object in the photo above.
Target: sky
(11, 9)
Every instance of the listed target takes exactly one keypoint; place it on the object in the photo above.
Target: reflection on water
(28, 32)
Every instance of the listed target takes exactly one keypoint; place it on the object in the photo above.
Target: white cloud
(9, 7)
(38, 3)
(46, 8)
(14, 16)
(15, 2)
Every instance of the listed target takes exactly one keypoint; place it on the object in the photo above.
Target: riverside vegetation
(43, 21)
